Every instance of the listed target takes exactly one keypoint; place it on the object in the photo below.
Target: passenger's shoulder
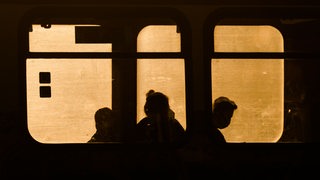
(176, 124)
(144, 121)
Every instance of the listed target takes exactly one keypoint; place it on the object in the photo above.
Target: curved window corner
(257, 38)
(159, 38)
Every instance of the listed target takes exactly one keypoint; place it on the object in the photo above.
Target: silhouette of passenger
(222, 113)
(105, 130)
(160, 125)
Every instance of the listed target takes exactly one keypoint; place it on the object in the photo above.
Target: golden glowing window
(164, 75)
(62, 110)
(255, 84)
(72, 70)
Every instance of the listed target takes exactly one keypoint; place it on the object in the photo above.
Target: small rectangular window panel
(45, 91)
(44, 77)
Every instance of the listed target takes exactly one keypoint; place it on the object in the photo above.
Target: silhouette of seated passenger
(105, 126)
(159, 125)
(222, 113)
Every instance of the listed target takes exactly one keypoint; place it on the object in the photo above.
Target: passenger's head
(156, 103)
(222, 112)
(104, 119)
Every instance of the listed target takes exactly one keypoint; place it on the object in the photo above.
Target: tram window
(256, 85)
(64, 111)
(78, 87)
(164, 75)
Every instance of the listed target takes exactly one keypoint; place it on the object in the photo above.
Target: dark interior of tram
(21, 156)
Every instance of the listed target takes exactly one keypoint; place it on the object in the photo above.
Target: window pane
(61, 38)
(166, 76)
(256, 86)
(247, 39)
(159, 38)
(79, 87)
